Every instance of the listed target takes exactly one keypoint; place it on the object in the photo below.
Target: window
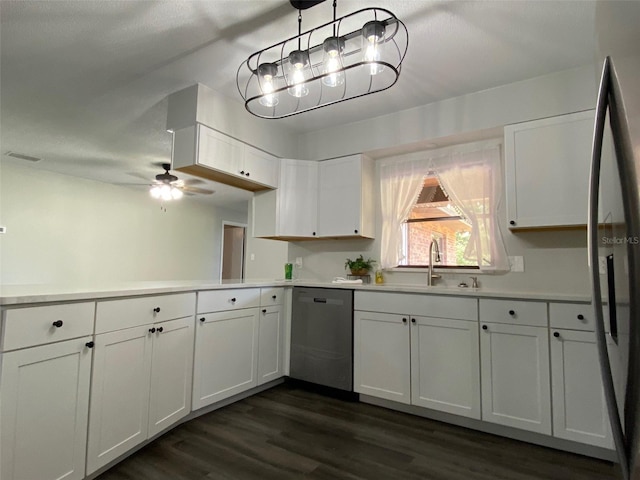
(433, 217)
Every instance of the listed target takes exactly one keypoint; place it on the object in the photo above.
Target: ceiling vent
(22, 156)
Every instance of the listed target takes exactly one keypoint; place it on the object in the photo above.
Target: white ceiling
(83, 84)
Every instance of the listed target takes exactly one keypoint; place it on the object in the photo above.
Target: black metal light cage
(351, 78)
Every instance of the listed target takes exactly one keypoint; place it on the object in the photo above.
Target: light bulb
(333, 47)
(298, 60)
(176, 193)
(165, 192)
(155, 191)
(266, 74)
(372, 38)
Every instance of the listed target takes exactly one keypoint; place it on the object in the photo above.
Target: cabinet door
(119, 394)
(298, 199)
(171, 373)
(515, 376)
(45, 404)
(340, 197)
(547, 170)
(381, 361)
(579, 408)
(445, 374)
(226, 359)
(261, 167)
(270, 337)
(218, 151)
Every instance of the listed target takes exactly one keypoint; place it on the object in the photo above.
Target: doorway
(233, 245)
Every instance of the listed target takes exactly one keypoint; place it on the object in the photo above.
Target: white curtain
(400, 185)
(471, 176)
(472, 180)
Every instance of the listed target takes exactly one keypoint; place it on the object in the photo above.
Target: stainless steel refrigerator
(614, 224)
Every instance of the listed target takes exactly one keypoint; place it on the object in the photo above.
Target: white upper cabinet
(345, 197)
(547, 171)
(204, 152)
(328, 199)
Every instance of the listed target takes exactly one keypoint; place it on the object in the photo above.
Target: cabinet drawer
(26, 327)
(232, 299)
(114, 315)
(571, 316)
(271, 296)
(517, 312)
(439, 306)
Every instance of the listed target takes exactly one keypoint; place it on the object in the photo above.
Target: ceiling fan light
(155, 191)
(176, 193)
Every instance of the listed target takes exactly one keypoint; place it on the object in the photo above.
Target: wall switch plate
(252, 256)
(516, 264)
(3, 229)
(602, 265)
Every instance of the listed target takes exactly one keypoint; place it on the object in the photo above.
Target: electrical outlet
(252, 256)
(299, 262)
(516, 264)
(3, 229)
(602, 265)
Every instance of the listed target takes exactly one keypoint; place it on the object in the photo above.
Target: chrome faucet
(431, 276)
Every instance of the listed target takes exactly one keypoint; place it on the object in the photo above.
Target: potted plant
(359, 266)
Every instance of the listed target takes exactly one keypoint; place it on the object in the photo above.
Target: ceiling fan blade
(192, 181)
(139, 175)
(202, 191)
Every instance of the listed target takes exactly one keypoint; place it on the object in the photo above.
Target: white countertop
(31, 294)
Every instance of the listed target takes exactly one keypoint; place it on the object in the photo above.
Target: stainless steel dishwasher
(322, 337)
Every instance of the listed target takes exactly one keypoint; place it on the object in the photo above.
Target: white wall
(76, 232)
(555, 261)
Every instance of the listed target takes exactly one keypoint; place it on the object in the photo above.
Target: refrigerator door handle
(592, 238)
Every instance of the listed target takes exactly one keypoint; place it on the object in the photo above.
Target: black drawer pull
(160, 329)
(241, 172)
(247, 174)
(580, 317)
(404, 320)
(202, 319)
(512, 312)
(512, 222)
(89, 344)
(484, 327)
(233, 300)
(413, 320)
(355, 231)
(156, 310)
(556, 334)
(264, 310)
(274, 297)
(152, 330)
(57, 323)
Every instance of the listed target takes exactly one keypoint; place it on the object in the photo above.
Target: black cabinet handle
(512, 312)
(413, 320)
(160, 329)
(556, 334)
(202, 319)
(404, 320)
(57, 323)
(89, 344)
(355, 231)
(580, 317)
(484, 327)
(274, 297)
(264, 310)
(512, 222)
(241, 172)
(247, 174)
(233, 300)
(314, 234)
(156, 310)
(152, 330)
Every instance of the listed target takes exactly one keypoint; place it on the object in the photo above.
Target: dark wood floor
(288, 433)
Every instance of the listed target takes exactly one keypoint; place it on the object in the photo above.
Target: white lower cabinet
(226, 355)
(445, 372)
(579, 408)
(270, 343)
(515, 376)
(45, 404)
(381, 357)
(141, 385)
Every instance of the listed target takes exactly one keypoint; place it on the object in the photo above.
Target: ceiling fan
(169, 187)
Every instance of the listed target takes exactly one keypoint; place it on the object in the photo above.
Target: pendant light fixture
(355, 55)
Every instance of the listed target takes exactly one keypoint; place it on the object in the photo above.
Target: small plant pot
(359, 271)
